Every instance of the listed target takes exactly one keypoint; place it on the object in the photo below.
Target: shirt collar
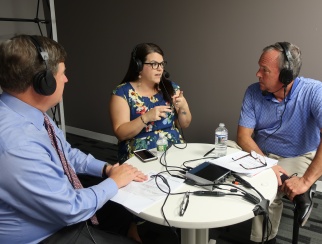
(295, 84)
(270, 96)
(27, 111)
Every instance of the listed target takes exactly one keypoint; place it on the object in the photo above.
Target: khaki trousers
(291, 165)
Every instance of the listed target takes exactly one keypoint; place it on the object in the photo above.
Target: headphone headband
(42, 53)
(286, 52)
(286, 74)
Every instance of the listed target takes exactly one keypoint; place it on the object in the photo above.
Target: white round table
(202, 212)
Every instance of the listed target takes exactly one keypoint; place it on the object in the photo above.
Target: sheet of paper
(138, 196)
(248, 162)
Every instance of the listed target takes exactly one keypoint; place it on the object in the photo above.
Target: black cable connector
(190, 182)
(242, 181)
(251, 198)
(261, 208)
(178, 176)
(209, 193)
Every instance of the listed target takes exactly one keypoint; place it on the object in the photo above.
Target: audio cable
(260, 209)
(233, 191)
(165, 76)
(165, 164)
(279, 126)
(261, 204)
(165, 181)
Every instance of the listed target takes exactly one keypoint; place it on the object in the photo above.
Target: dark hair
(295, 60)
(138, 58)
(20, 61)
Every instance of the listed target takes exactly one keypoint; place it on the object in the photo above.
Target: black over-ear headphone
(137, 62)
(44, 81)
(286, 74)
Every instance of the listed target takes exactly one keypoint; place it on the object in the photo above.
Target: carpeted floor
(311, 233)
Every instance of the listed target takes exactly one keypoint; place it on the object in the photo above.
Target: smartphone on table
(145, 155)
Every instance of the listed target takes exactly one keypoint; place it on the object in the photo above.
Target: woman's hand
(179, 100)
(182, 108)
(157, 113)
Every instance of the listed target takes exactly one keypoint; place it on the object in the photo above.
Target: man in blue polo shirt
(281, 117)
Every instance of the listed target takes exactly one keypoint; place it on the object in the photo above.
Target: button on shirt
(288, 128)
(36, 197)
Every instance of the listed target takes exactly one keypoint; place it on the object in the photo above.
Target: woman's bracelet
(143, 120)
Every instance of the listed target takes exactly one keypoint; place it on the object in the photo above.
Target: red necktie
(67, 168)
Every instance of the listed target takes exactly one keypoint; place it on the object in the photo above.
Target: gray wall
(21, 9)
(212, 48)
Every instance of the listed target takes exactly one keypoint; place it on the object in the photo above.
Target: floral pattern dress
(147, 138)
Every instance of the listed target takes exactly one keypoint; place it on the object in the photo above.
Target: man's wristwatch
(104, 175)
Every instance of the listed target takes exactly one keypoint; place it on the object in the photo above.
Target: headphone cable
(280, 125)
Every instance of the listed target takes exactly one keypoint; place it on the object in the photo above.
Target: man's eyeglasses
(155, 65)
(259, 161)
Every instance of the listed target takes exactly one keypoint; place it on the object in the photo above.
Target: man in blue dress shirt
(281, 117)
(37, 200)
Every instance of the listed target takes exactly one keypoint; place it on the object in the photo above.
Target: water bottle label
(221, 139)
(162, 148)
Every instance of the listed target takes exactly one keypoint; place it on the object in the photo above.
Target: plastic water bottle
(162, 144)
(221, 137)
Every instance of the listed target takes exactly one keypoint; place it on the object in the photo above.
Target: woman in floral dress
(146, 103)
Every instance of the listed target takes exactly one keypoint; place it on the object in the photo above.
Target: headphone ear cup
(137, 62)
(286, 76)
(44, 83)
(138, 65)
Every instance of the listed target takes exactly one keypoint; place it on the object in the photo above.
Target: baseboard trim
(91, 134)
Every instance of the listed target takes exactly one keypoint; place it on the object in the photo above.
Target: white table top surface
(203, 212)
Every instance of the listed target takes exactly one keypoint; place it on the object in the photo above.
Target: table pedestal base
(196, 236)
